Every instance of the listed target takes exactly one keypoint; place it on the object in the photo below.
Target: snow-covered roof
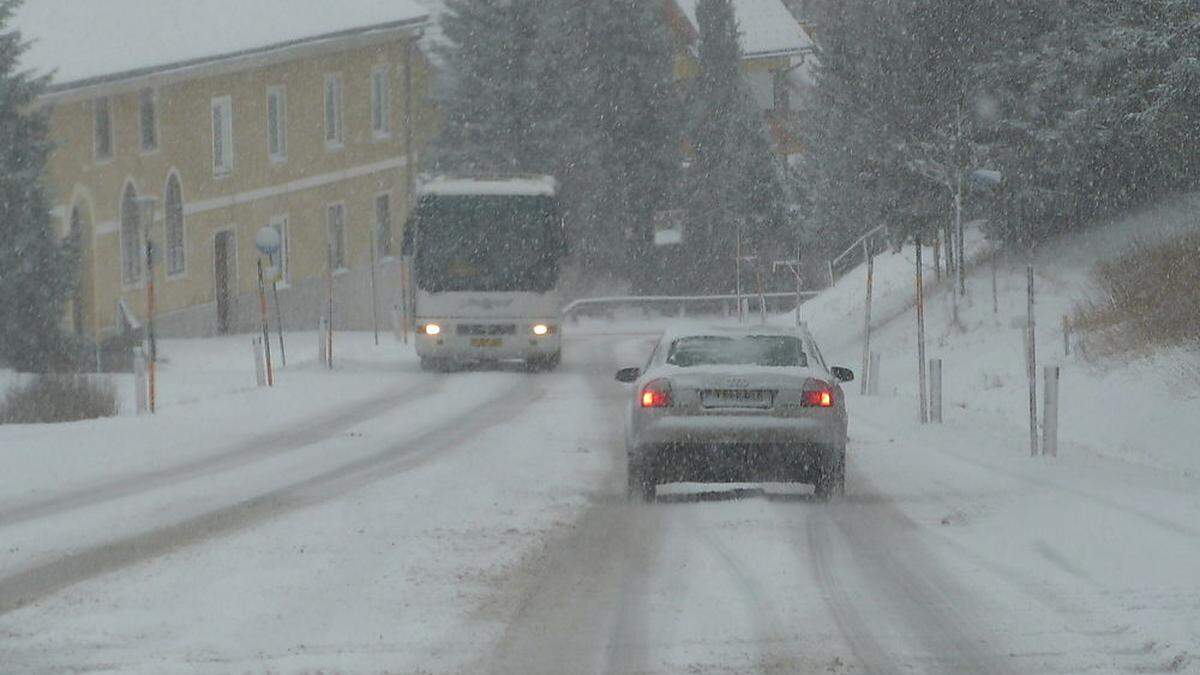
(446, 186)
(83, 41)
(766, 27)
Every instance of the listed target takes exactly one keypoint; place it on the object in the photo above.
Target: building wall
(253, 193)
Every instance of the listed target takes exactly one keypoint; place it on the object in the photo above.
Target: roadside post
(269, 242)
(322, 343)
(374, 293)
(278, 316)
(873, 375)
(793, 266)
(1066, 335)
(924, 417)
(1050, 414)
(1031, 366)
(139, 381)
(266, 329)
(260, 375)
(866, 355)
(328, 360)
(995, 293)
(935, 391)
(145, 212)
(762, 298)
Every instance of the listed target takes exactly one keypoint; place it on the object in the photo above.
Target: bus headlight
(431, 329)
(541, 330)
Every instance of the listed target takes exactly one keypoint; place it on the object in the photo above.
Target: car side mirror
(628, 374)
(842, 374)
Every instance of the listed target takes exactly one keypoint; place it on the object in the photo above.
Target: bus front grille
(487, 329)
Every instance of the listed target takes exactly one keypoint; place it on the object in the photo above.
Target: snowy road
(476, 523)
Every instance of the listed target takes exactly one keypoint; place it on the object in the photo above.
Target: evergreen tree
(630, 115)
(490, 99)
(898, 110)
(580, 90)
(36, 270)
(734, 183)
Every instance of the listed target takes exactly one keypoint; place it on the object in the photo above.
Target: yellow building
(777, 59)
(303, 115)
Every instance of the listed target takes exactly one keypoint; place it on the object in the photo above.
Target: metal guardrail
(859, 244)
(682, 301)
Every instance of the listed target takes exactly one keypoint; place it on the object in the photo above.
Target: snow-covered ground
(376, 518)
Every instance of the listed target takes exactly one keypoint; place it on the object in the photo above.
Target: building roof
(84, 42)
(766, 27)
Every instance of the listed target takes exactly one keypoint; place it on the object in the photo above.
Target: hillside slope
(1137, 409)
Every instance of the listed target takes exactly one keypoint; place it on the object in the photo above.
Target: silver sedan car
(744, 404)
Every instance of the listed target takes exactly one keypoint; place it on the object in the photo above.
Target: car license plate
(736, 398)
(486, 342)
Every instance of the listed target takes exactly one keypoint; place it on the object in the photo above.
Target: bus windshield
(486, 243)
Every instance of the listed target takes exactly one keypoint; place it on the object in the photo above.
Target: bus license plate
(486, 342)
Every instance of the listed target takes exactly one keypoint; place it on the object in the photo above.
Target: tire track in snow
(29, 585)
(260, 447)
(768, 624)
(871, 542)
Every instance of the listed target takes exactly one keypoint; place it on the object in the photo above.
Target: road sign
(267, 241)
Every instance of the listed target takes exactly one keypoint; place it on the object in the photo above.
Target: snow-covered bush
(58, 398)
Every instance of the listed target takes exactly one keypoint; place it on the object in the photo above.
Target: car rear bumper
(738, 429)
(736, 462)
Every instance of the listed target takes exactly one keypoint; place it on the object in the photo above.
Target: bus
(483, 256)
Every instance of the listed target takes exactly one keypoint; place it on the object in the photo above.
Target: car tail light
(656, 394)
(816, 394)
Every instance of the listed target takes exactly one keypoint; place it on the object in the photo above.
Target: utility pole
(793, 266)
(921, 335)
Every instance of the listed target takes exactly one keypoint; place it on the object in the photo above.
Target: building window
(334, 136)
(336, 219)
(277, 123)
(279, 259)
(222, 135)
(102, 129)
(131, 239)
(383, 225)
(381, 103)
(173, 224)
(148, 119)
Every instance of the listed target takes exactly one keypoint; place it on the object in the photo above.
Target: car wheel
(432, 365)
(831, 481)
(642, 484)
(544, 364)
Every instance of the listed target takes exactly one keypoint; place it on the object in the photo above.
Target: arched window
(176, 257)
(131, 240)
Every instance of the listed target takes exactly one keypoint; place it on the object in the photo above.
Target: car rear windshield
(757, 350)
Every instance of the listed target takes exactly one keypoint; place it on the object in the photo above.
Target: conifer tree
(490, 97)
(734, 183)
(36, 270)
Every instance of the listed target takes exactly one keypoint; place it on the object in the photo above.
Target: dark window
(173, 222)
(103, 129)
(131, 239)
(757, 350)
(474, 243)
(148, 107)
(383, 223)
(337, 235)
